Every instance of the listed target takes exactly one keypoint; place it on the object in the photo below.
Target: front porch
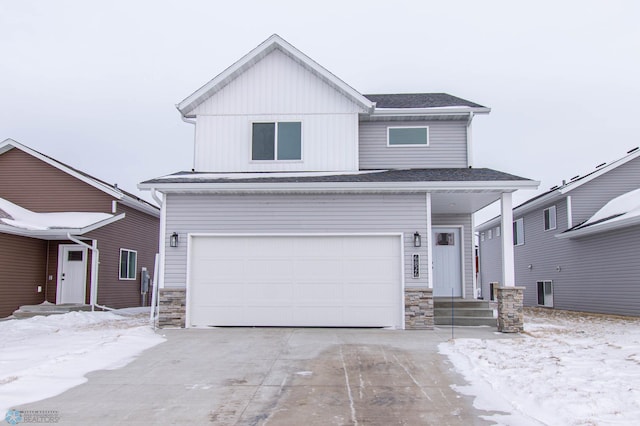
(46, 308)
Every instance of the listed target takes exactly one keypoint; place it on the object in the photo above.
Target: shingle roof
(419, 100)
(407, 175)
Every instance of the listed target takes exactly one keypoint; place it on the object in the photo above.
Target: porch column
(510, 297)
(428, 238)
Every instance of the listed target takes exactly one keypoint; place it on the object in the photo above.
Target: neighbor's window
(128, 261)
(497, 231)
(550, 218)
(518, 232)
(407, 136)
(490, 233)
(280, 140)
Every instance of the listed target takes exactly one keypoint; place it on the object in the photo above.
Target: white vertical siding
(187, 213)
(447, 146)
(329, 143)
(277, 88)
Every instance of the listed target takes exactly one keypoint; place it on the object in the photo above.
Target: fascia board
(92, 182)
(141, 206)
(395, 112)
(274, 42)
(507, 186)
(58, 233)
(600, 227)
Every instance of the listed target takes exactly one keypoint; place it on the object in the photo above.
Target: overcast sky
(94, 84)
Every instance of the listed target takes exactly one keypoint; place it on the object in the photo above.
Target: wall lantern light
(173, 240)
(417, 240)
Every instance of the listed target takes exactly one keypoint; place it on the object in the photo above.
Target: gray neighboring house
(310, 204)
(577, 245)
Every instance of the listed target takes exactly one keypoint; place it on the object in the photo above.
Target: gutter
(190, 121)
(95, 260)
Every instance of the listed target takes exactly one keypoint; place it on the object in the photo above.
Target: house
(67, 237)
(576, 245)
(311, 204)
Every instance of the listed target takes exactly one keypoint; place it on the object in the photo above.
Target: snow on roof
(622, 207)
(26, 219)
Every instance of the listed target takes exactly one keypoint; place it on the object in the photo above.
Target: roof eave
(58, 233)
(395, 112)
(306, 187)
(599, 228)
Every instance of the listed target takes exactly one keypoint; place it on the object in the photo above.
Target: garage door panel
(295, 281)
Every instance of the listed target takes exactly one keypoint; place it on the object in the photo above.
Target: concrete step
(464, 312)
(466, 321)
(442, 302)
(46, 308)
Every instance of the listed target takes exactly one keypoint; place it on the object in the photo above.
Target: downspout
(162, 236)
(95, 260)
(469, 140)
(190, 121)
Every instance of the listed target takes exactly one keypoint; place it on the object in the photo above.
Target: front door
(72, 273)
(447, 262)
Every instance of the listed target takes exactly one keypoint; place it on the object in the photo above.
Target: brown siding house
(59, 225)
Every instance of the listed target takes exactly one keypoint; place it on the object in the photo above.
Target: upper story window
(550, 218)
(280, 140)
(490, 233)
(408, 136)
(128, 261)
(518, 232)
(497, 231)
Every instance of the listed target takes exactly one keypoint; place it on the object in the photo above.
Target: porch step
(46, 308)
(465, 312)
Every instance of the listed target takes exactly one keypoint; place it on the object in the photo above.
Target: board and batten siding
(329, 143)
(277, 88)
(590, 197)
(291, 214)
(447, 146)
(465, 221)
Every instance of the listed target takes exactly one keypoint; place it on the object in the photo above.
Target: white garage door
(324, 281)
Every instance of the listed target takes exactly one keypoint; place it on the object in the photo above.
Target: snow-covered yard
(42, 357)
(567, 369)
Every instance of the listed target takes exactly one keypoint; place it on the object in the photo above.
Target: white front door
(72, 273)
(447, 262)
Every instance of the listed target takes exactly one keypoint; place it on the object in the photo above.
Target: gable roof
(191, 102)
(126, 198)
(566, 187)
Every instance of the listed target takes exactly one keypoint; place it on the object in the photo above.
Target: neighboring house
(577, 245)
(54, 220)
(310, 204)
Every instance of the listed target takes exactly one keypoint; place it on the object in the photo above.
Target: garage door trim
(401, 259)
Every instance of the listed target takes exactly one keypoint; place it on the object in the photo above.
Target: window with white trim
(490, 234)
(128, 264)
(518, 232)
(279, 140)
(482, 236)
(497, 231)
(408, 136)
(549, 218)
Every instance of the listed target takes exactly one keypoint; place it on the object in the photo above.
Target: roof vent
(564, 182)
(633, 150)
(575, 177)
(600, 165)
(553, 187)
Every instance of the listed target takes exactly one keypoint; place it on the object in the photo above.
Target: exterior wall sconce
(173, 240)
(530, 267)
(417, 240)
(559, 268)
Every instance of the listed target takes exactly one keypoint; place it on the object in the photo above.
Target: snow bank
(627, 205)
(567, 369)
(42, 357)
(26, 219)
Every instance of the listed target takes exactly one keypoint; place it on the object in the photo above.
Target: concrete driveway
(278, 376)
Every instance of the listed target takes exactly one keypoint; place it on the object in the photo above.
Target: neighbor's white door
(317, 280)
(72, 274)
(447, 262)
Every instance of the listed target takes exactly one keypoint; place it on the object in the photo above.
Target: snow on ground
(565, 369)
(42, 356)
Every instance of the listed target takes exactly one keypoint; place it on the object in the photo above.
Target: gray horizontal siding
(293, 214)
(467, 230)
(590, 197)
(490, 262)
(600, 273)
(447, 146)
